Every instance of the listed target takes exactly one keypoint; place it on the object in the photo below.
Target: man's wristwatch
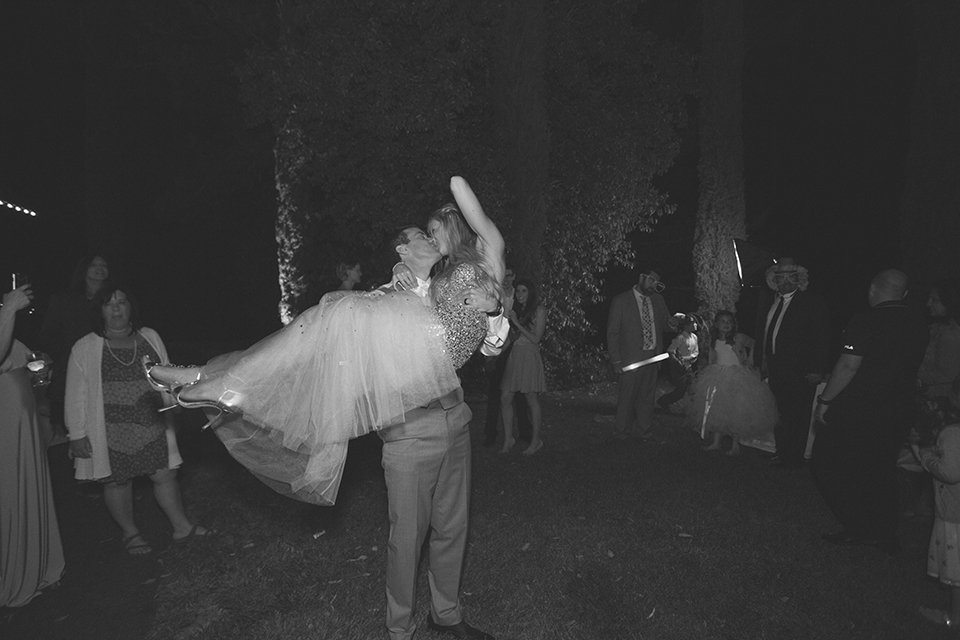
(496, 312)
(820, 400)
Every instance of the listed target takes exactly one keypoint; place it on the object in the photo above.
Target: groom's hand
(480, 299)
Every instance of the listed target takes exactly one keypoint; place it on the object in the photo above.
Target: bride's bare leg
(171, 375)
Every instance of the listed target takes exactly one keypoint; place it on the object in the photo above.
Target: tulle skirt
(734, 400)
(943, 554)
(355, 363)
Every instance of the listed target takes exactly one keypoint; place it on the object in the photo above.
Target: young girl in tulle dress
(943, 556)
(728, 396)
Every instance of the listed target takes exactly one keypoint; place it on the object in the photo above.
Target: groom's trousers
(426, 463)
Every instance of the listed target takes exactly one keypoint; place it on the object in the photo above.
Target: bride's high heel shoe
(170, 387)
(225, 404)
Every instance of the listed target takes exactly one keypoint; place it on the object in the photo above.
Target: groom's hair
(396, 236)
(399, 236)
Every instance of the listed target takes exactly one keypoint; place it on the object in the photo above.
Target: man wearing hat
(793, 353)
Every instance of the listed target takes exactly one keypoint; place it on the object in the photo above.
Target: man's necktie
(646, 320)
(768, 343)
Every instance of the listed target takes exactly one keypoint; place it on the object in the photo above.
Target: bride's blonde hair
(461, 242)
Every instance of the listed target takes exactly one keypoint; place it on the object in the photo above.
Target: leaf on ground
(525, 547)
(651, 613)
(609, 553)
(149, 581)
(684, 535)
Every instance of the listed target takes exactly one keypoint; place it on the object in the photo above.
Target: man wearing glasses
(635, 327)
(793, 353)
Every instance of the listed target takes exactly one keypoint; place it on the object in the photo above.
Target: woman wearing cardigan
(111, 413)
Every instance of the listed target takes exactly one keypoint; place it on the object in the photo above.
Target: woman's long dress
(31, 556)
(353, 364)
(730, 398)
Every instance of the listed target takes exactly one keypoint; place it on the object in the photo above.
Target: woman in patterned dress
(111, 412)
(354, 363)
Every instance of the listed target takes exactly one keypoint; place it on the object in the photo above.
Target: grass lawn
(591, 538)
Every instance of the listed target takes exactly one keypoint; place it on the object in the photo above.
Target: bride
(356, 362)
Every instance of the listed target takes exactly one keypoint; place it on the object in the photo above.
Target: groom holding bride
(426, 462)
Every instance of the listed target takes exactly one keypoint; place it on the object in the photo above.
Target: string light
(10, 205)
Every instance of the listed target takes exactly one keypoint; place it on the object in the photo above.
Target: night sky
(826, 88)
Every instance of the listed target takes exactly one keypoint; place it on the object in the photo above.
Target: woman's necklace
(132, 360)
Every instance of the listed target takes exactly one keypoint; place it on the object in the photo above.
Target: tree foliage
(616, 96)
(376, 104)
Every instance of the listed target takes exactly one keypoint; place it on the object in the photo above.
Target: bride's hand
(480, 299)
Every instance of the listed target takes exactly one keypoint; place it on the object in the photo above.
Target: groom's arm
(497, 325)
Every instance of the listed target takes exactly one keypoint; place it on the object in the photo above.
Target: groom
(426, 463)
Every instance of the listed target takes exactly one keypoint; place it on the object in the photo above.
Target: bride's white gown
(354, 363)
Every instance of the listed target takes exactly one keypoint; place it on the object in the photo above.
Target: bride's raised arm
(490, 243)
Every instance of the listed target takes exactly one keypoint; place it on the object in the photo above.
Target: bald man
(864, 415)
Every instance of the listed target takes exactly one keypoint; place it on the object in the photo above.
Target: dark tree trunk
(522, 128)
(931, 197)
(103, 164)
(721, 216)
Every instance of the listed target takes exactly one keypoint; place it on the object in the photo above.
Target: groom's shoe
(459, 630)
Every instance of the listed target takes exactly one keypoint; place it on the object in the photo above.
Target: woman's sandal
(195, 535)
(938, 617)
(142, 548)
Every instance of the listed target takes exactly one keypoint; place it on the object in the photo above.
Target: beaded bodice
(465, 327)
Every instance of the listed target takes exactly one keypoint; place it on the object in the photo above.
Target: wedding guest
(941, 361)
(494, 367)
(684, 352)
(68, 318)
(112, 414)
(31, 555)
(942, 460)
(865, 412)
(349, 273)
(728, 396)
(524, 369)
(795, 325)
(635, 327)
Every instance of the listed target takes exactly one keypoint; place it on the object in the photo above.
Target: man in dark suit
(866, 411)
(794, 325)
(426, 464)
(635, 327)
